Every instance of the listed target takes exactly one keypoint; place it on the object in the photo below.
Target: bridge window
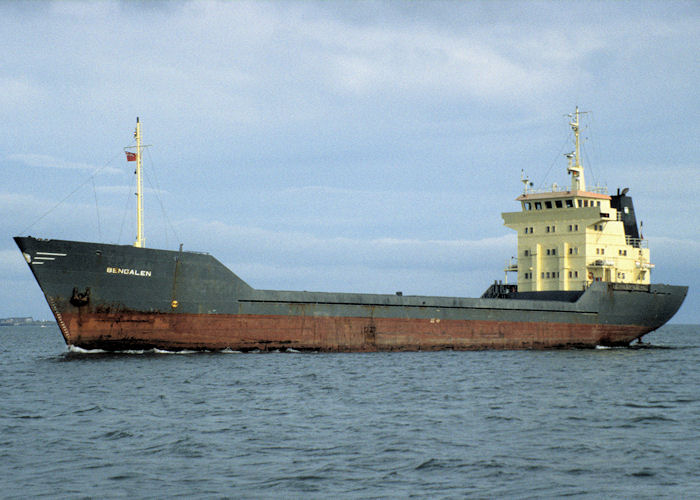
(538, 205)
(548, 204)
(528, 205)
(558, 203)
(569, 203)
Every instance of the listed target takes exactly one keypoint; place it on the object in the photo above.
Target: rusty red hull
(268, 333)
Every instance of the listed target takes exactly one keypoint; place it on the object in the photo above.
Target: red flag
(130, 156)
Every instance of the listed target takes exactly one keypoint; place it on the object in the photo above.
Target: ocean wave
(74, 349)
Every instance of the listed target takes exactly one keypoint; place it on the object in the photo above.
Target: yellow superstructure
(570, 237)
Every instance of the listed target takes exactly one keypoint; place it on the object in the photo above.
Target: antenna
(575, 167)
(524, 180)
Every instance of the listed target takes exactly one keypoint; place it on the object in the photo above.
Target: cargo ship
(583, 280)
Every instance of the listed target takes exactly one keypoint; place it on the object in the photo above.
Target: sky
(365, 146)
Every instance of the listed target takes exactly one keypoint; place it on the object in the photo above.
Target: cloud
(12, 264)
(304, 248)
(46, 161)
(17, 91)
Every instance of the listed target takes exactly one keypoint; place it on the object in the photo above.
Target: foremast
(131, 156)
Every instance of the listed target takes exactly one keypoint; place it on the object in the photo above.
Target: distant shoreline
(25, 321)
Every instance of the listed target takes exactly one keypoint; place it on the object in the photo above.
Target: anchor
(80, 299)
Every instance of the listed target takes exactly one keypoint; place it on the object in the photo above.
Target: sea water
(594, 423)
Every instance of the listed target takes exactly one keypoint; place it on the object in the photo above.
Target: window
(554, 251)
(575, 274)
(546, 230)
(558, 204)
(597, 203)
(528, 205)
(526, 229)
(542, 275)
(575, 227)
(580, 203)
(547, 274)
(538, 205)
(571, 228)
(548, 204)
(548, 251)
(571, 275)
(569, 203)
(585, 203)
(602, 251)
(554, 228)
(526, 253)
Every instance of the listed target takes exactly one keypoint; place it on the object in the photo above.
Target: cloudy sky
(342, 146)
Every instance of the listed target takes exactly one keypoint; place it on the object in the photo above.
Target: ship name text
(130, 272)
